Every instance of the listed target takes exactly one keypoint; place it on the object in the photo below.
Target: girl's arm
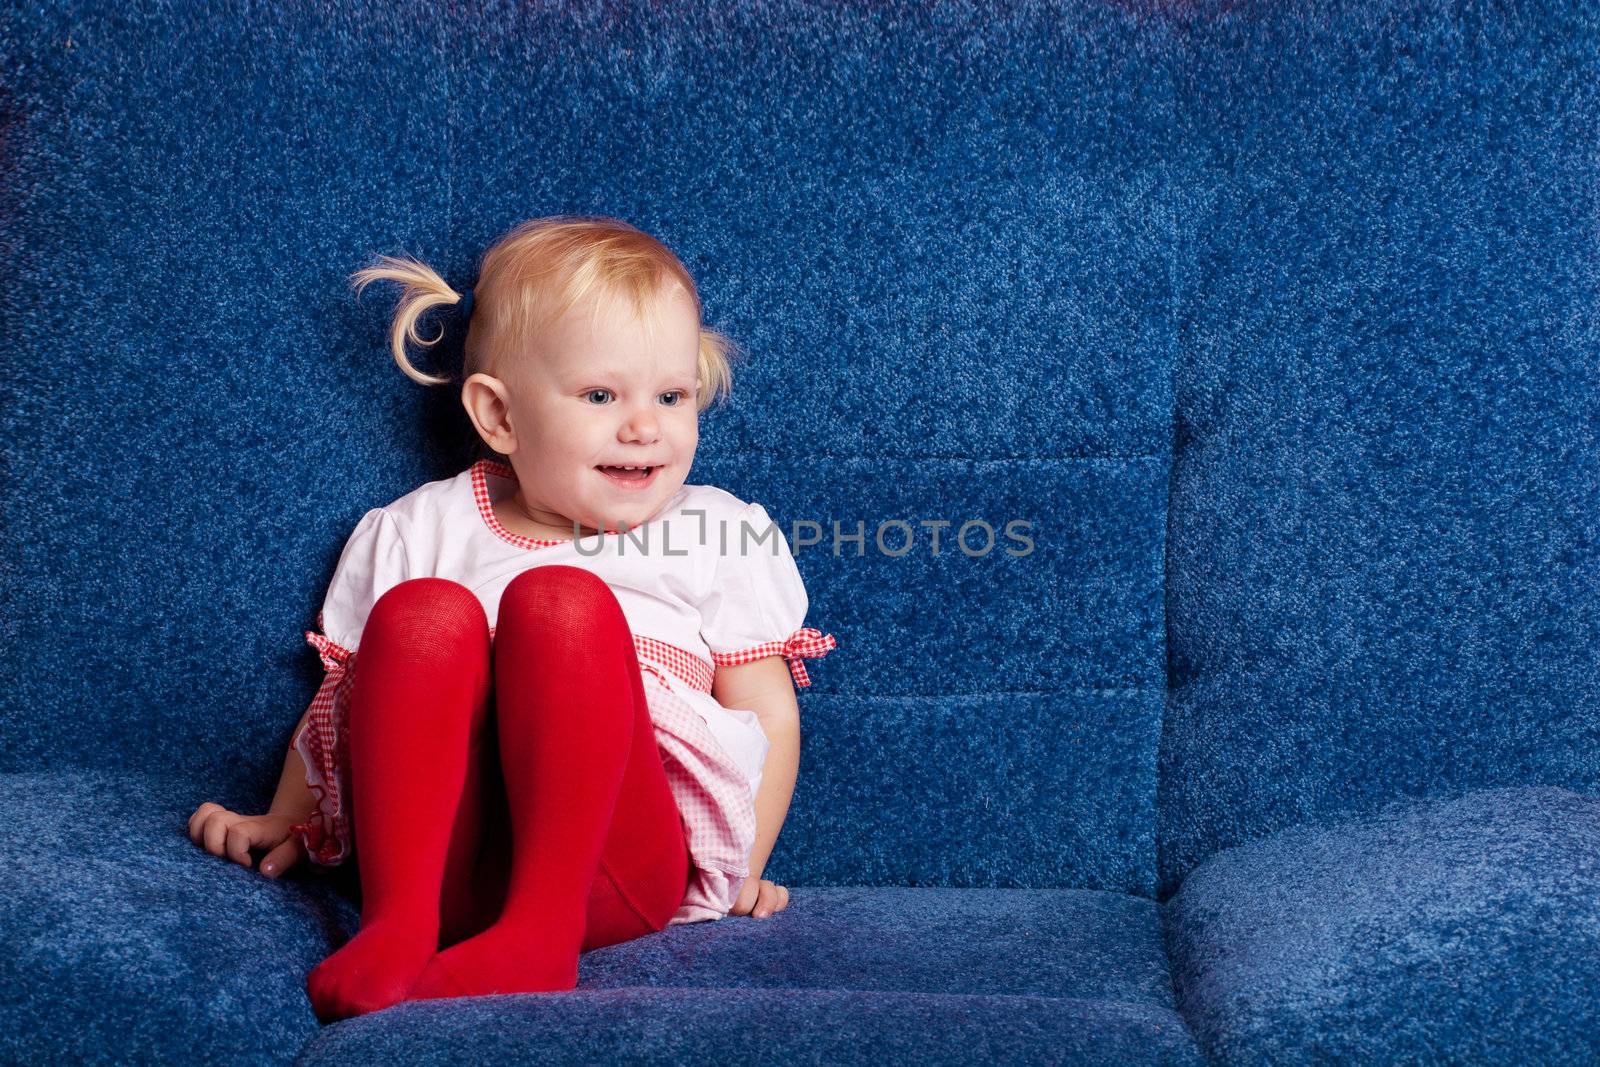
(294, 797)
(766, 688)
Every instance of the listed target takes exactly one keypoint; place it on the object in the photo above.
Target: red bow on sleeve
(805, 643)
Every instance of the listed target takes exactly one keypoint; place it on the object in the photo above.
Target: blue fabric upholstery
(663, 1026)
(1275, 319)
(128, 946)
(846, 974)
(1001, 404)
(1458, 929)
(1382, 576)
(121, 948)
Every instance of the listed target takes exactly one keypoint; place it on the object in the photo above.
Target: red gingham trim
(325, 831)
(693, 669)
(480, 493)
(805, 642)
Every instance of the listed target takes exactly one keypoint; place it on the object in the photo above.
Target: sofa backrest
(945, 237)
(1323, 275)
(1382, 575)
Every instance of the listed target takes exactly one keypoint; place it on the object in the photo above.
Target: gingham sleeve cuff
(805, 643)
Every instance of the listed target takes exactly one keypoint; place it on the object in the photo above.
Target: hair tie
(464, 305)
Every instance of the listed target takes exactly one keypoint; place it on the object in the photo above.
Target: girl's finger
(198, 819)
(216, 831)
(239, 844)
(738, 906)
(784, 901)
(765, 899)
(280, 859)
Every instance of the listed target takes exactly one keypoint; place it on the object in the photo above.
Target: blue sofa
(1277, 320)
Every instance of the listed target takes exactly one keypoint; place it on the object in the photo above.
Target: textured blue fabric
(963, 738)
(1064, 943)
(836, 1026)
(816, 1026)
(125, 938)
(1382, 575)
(124, 943)
(1449, 930)
(935, 357)
(1276, 319)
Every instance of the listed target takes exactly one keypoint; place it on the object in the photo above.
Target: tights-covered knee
(560, 604)
(427, 612)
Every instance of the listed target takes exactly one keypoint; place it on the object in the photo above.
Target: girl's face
(600, 392)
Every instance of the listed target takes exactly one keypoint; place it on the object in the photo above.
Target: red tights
(455, 903)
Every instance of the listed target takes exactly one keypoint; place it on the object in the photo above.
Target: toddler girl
(574, 637)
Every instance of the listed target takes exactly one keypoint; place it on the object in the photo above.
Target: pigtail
(529, 279)
(717, 353)
(422, 290)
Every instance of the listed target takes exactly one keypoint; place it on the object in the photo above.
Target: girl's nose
(641, 426)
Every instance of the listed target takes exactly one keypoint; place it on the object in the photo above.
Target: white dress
(708, 582)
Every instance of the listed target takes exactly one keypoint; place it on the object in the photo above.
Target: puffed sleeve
(757, 602)
(373, 561)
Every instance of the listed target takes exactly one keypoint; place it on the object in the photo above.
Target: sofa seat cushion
(1008, 942)
(1456, 929)
(126, 942)
(662, 1025)
(842, 975)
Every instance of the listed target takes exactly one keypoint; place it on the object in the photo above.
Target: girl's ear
(488, 405)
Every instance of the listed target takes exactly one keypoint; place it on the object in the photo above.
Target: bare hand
(760, 898)
(230, 835)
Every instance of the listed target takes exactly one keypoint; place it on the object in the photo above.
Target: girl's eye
(676, 395)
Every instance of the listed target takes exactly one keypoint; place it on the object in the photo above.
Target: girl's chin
(626, 508)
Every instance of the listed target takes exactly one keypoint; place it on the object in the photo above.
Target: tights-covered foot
(375, 970)
(535, 956)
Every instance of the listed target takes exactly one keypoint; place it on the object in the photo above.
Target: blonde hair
(534, 275)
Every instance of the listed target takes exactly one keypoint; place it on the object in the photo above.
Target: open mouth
(630, 477)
